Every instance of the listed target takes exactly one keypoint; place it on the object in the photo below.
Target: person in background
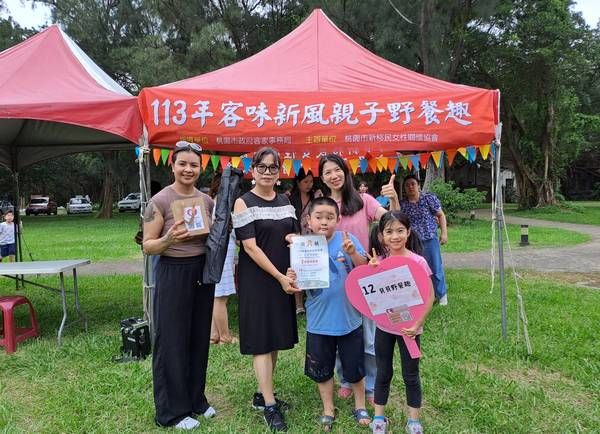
(7, 237)
(357, 211)
(301, 195)
(220, 333)
(182, 303)
(425, 213)
(264, 222)
(363, 187)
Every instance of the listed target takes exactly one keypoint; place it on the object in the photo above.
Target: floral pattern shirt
(422, 215)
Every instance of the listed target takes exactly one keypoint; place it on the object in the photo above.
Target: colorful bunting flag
(471, 153)
(404, 162)
(382, 163)
(415, 161)
(287, 166)
(156, 155)
(409, 165)
(424, 159)
(354, 163)
(484, 150)
(137, 151)
(224, 161)
(373, 165)
(297, 166)
(451, 153)
(306, 164)
(164, 156)
(235, 161)
(214, 159)
(247, 161)
(364, 165)
(205, 159)
(170, 161)
(463, 152)
(392, 164)
(437, 157)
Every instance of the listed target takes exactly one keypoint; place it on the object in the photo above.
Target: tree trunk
(546, 190)
(433, 173)
(107, 187)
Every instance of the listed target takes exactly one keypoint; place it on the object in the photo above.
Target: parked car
(41, 205)
(6, 206)
(79, 205)
(131, 202)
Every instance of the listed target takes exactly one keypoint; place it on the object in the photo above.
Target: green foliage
(455, 201)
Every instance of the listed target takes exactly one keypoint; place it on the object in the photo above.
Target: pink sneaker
(344, 392)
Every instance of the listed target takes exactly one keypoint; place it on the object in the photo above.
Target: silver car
(79, 205)
(131, 202)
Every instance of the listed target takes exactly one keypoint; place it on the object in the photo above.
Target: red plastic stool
(12, 335)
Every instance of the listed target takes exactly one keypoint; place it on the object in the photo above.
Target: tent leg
(500, 227)
(18, 245)
(148, 276)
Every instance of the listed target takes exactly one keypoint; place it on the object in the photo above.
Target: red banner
(307, 124)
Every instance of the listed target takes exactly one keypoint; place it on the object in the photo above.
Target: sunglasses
(187, 146)
(262, 169)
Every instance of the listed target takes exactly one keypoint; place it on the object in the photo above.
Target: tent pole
(500, 227)
(148, 280)
(18, 245)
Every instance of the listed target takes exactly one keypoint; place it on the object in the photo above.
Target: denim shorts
(7, 250)
(319, 364)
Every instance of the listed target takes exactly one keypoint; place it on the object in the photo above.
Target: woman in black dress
(263, 219)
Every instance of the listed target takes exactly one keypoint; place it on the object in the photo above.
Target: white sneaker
(187, 424)
(413, 427)
(378, 426)
(210, 412)
(444, 300)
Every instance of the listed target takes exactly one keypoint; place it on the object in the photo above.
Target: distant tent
(54, 100)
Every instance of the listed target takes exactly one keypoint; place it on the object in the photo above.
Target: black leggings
(384, 355)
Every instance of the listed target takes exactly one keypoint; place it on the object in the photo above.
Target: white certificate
(390, 289)
(309, 258)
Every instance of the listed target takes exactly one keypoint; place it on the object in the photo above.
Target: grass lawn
(476, 235)
(81, 236)
(579, 212)
(473, 381)
(77, 237)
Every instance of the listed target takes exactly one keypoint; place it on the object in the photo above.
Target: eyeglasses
(262, 169)
(182, 145)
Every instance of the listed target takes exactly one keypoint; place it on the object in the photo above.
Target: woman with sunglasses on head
(263, 219)
(358, 211)
(182, 304)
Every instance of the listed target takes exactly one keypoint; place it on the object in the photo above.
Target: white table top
(41, 267)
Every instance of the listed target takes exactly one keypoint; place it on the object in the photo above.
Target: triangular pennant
(235, 161)
(224, 161)
(404, 162)
(164, 156)
(471, 153)
(214, 159)
(373, 165)
(205, 159)
(415, 161)
(463, 152)
(306, 164)
(392, 164)
(437, 157)
(494, 149)
(137, 151)
(382, 163)
(451, 153)
(354, 163)
(297, 164)
(409, 165)
(247, 164)
(170, 160)
(287, 166)
(424, 159)
(484, 150)
(364, 165)
(156, 155)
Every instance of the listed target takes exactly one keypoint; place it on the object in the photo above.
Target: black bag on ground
(136, 339)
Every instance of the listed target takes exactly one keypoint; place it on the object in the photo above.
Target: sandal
(326, 422)
(361, 415)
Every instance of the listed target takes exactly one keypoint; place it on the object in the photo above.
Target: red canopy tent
(316, 90)
(54, 100)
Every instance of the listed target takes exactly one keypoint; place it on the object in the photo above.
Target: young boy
(7, 237)
(332, 323)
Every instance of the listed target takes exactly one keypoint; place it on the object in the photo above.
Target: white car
(79, 205)
(131, 202)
